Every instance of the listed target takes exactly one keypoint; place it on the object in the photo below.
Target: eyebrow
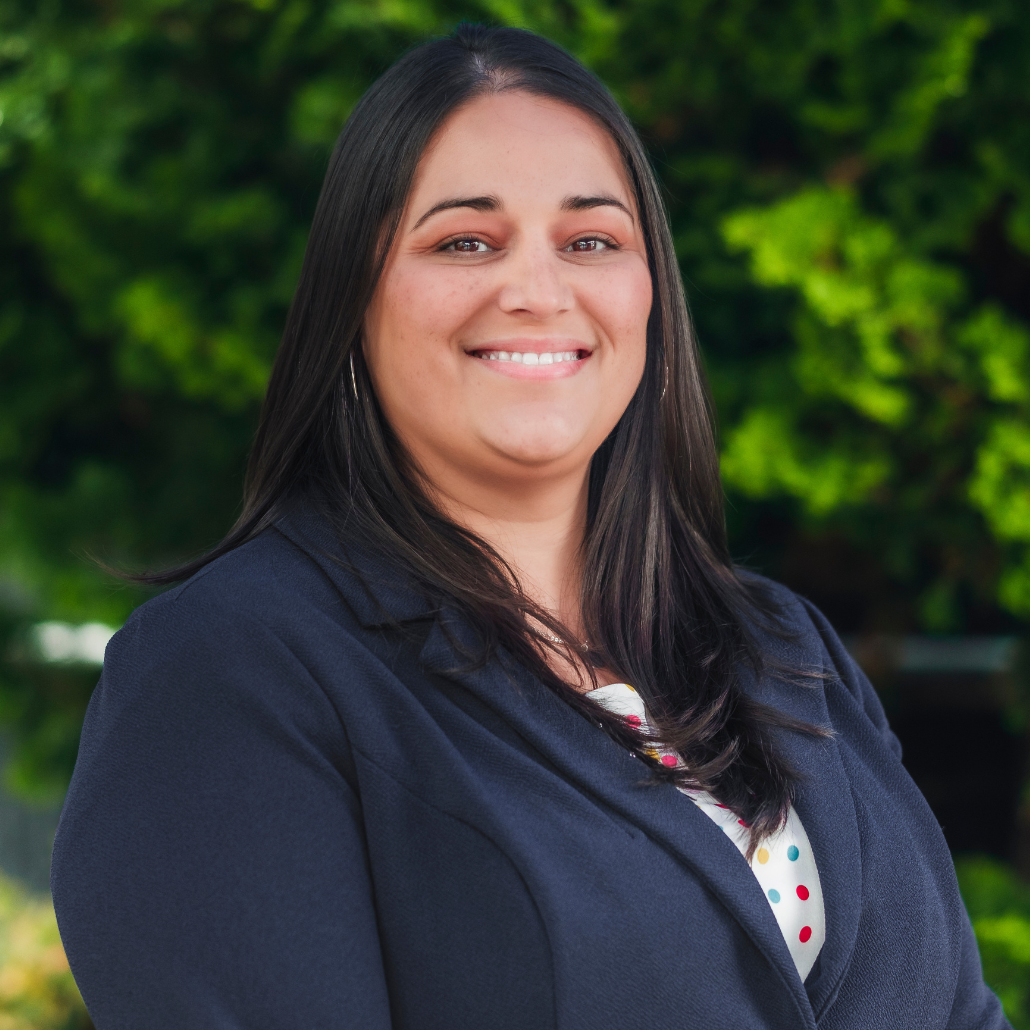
(586, 203)
(488, 203)
(476, 203)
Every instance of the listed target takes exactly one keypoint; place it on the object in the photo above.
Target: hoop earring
(353, 378)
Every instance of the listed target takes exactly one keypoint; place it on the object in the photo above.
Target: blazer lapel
(599, 767)
(374, 589)
(826, 808)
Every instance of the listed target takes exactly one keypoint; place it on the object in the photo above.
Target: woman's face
(507, 334)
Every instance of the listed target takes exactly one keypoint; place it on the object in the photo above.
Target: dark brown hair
(662, 603)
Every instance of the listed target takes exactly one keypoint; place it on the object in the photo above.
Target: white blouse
(784, 865)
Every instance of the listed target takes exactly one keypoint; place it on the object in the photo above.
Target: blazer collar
(372, 586)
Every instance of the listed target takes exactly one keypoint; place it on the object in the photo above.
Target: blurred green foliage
(849, 185)
(999, 907)
(37, 991)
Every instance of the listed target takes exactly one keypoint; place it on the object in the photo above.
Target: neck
(536, 524)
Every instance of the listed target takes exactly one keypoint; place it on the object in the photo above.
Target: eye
(466, 245)
(591, 245)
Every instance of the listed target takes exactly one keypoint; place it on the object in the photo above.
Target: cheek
(421, 313)
(621, 305)
(410, 350)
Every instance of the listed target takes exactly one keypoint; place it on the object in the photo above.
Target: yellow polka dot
(630, 687)
(762, 855)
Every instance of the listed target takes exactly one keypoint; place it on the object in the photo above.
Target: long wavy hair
(663, 605)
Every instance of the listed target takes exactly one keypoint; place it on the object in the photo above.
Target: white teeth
(531, 357)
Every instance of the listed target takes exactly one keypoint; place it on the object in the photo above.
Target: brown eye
(466, 246)
(589, 245)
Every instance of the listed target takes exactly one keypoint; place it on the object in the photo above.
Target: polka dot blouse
(784, 865)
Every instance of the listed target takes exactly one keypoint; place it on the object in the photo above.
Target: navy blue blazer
(289, 812)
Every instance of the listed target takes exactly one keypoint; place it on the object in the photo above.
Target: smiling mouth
(532, 357)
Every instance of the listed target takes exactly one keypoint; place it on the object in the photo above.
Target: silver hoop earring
(353, 378)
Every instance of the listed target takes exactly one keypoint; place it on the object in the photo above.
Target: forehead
(523, 146)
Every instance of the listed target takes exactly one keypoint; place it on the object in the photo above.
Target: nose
(536, 282)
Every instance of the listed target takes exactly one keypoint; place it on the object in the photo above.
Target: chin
(536, 453)
(536, 437)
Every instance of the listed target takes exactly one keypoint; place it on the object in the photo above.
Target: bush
(999, 907)
(37, 991)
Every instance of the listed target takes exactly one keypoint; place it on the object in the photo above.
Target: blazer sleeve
(975, 1007)
(210, 870)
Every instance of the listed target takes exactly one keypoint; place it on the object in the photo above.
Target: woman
(377, 763)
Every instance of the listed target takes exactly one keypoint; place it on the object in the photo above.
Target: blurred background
(849, 188)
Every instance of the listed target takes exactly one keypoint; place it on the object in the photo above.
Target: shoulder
(251, 608)
(803, 641)
(256, 579)
(798, 631)
(234, 660)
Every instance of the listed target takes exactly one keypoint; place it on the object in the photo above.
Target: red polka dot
(803, 892)
(633, 720)
(717, 805)
(747, 826)
(670, 760)
(806, 934)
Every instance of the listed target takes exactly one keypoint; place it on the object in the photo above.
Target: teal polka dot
(774, 895)
(792, 853)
